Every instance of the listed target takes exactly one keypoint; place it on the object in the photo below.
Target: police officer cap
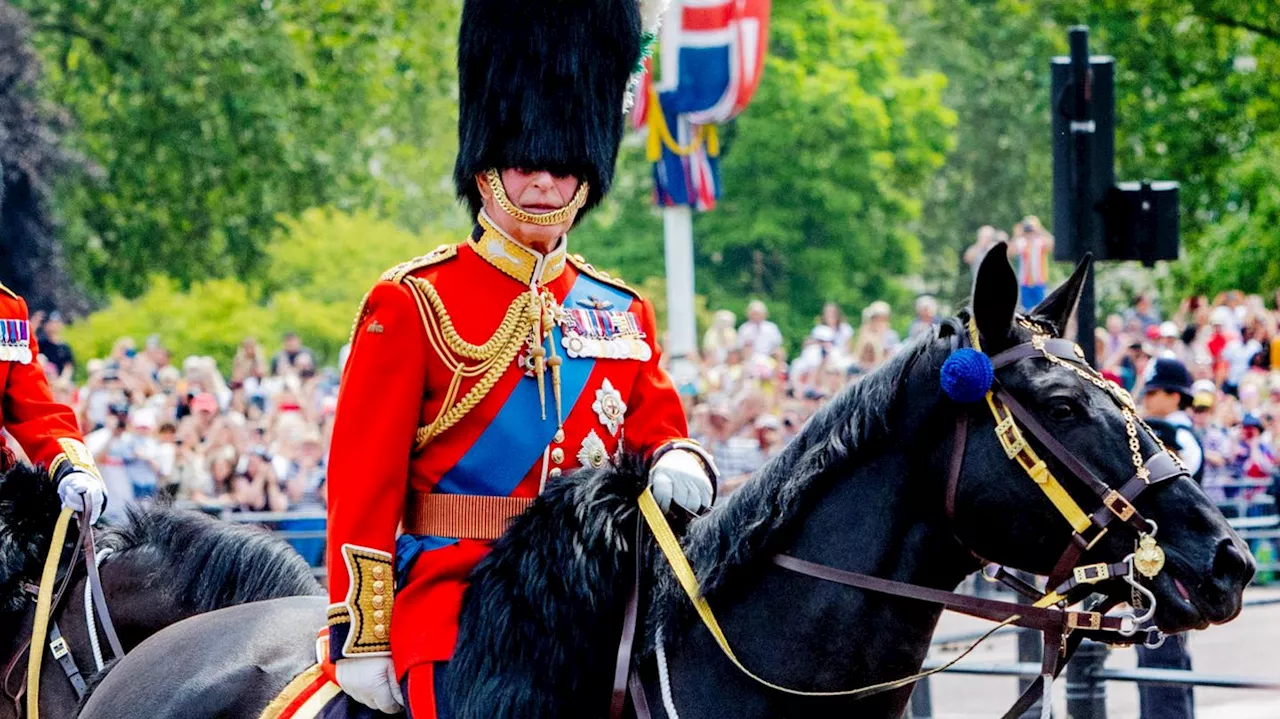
(1169, 375)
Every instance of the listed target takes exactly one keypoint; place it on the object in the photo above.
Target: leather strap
(55, 607)
(1060, 348)
(622, 667)
(639, 701)
(957, 464)
(1044, 619)
(95, 587)
(62, 653)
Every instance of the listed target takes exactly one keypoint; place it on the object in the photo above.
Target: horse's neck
(884, 522)
(807, 633)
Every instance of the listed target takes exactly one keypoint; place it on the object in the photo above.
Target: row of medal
(603, 333)
(15, 341)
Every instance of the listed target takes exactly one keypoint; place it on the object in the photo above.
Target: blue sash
(516, 438)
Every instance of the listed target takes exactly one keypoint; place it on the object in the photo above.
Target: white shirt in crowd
(760, 338)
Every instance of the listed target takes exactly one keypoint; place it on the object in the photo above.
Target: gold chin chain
(545, 219)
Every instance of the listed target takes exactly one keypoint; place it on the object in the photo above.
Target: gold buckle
(1074, 620)
(1087, 544)
(1126, 509)
(1092, 573)
(58, 647)
(1010, 438)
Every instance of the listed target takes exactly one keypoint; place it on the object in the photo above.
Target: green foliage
(208, 119)
(1196, 102)
(995, 56)
(319, 266)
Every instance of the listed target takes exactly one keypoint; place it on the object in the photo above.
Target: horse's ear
(995, 295)
(1059, 306)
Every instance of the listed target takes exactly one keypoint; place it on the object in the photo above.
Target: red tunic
(398, 379)
(48, 431)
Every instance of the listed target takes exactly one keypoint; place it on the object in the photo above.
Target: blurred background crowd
(254, 436)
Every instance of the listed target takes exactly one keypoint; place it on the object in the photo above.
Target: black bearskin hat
(541, 87)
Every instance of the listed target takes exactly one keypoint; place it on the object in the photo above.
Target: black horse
(158, 567)
(861, 489)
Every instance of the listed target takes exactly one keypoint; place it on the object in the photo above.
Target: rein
(1063, 629)
(49, 596)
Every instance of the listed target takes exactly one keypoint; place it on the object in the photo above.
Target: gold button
(559, 435)
(379, 587)
(380, 630)
(379, 616)
(378, 601)
(557, 455)
(378, 571)
(554, 472)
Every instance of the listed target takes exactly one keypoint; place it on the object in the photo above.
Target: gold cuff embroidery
(74, 451)
(338, 614)
(369, 599)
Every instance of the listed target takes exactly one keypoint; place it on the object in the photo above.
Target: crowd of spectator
(752, 397)
(254, 436)
(249, 437)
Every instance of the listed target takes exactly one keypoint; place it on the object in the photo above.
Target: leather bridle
(1063, 629)
(84, 549)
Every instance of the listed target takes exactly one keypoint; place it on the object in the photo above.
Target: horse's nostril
(1233, 563)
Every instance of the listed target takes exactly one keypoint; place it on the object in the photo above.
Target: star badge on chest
(593, 453)
(609, 407)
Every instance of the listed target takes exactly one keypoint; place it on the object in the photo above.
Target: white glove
(372, 682)
(80, 488)
(680, 477)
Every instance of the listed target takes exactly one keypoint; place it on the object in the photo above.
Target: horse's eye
(1061, 411)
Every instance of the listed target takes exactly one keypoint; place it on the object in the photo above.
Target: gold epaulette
(587, 268)
(9, 292)
(434, 257)
(398, 273)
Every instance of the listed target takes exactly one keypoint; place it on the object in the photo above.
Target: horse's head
(1005, 515)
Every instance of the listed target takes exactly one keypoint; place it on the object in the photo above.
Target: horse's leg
(228, 663)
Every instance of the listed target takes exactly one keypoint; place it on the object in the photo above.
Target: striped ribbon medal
(15, 341)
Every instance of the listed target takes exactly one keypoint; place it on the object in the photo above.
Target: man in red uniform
(47, 431)
(485, 369)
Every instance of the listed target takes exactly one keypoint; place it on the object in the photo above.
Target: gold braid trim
(489, 360)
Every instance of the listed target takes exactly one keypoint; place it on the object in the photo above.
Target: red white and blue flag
(712, 57)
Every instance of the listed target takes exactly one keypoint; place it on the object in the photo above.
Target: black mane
(208, 564)
(754, 520)
(29, 505)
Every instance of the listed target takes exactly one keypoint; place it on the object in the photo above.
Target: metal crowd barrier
(1086, 681)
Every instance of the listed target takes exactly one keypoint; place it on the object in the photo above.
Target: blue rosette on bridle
(967, 375)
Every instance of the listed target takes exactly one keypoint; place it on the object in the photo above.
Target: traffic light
(1142, 221)
(1074, 112)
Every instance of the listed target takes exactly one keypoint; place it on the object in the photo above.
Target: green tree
(208, 119)
(995, 56)
(318, 267)
(1195, 102)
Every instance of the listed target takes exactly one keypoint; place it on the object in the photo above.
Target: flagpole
(682, 341)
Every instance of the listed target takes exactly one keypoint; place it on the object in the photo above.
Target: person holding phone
(1032, 246)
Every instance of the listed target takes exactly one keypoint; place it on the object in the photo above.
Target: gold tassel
(540, 371)
(555, 363)
(713, 140)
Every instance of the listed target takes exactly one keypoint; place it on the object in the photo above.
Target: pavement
(1247, 647)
